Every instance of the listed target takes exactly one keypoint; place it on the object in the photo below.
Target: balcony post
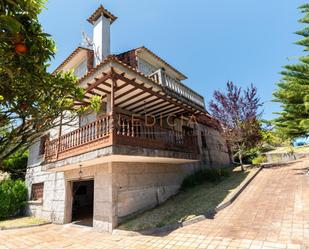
(113, 113)
(162, 78)
(59, 136)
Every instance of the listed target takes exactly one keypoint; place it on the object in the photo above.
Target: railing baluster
(124, 127)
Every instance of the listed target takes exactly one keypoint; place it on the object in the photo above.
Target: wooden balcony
(119, 130)
(162, 78)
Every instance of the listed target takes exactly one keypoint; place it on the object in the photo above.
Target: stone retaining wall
(284, 157)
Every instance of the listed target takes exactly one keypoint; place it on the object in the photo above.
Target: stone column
(105, 200)
(68, 202)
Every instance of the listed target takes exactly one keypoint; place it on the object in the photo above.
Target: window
(43, 141)
(37, 191)
(203, 137)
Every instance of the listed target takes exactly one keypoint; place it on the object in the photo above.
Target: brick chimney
(101, 20)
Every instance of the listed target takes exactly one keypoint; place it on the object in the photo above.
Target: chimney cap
(101, 11)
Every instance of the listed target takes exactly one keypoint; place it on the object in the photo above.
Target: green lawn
(21, 222)
(187, 204)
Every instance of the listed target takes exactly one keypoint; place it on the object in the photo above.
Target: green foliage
(204, 175)
(13, 197)
(273, 137)
(293, 90)
(259, 160)
(31, 98)
(250, 154)
(95, 103)
(16, 165)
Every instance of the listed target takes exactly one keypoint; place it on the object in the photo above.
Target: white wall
(101, 39)
(145, 67)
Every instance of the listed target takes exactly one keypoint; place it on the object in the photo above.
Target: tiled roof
(98, 12)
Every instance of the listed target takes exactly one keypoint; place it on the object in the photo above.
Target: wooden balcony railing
(126, 131)
(89, 133)
(137, 133)
(162, 78)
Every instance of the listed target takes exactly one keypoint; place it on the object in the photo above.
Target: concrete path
(272, 212)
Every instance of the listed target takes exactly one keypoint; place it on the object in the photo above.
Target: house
(152, 131)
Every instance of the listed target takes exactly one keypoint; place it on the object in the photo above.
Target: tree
(273, 137)
(16, 165)
(238, 112)
(31, 98)
(293, 90)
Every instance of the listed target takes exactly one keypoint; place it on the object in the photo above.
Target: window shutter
(43, 141)
(37, 191)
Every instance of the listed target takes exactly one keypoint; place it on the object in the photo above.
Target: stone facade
(121, 189)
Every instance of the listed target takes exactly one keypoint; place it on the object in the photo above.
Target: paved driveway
(273, 212)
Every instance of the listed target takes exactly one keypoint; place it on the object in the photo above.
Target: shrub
(249, 155)
(204, 175)
(13, 197)
(258, 160)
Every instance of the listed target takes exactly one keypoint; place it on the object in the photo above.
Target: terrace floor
(272, 212)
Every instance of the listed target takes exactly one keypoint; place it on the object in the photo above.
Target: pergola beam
(126, 93)
(152, 105)
(99, 81)
(130, 98)
(142, 87)
(99, 89)
(164, 110)
(137, 101)
(125, 84)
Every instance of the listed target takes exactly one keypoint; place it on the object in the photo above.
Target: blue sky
(210, 41)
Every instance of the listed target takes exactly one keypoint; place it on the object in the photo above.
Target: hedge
(13, 197)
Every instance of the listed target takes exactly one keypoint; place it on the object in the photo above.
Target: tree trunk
(240, 161)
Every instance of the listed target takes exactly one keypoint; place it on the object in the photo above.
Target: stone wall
(216, 152)
(284, 157)
(123, 189)
(144, 185)
(52, 206)
(120, 189)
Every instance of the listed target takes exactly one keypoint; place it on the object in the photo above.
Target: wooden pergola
(136, 97)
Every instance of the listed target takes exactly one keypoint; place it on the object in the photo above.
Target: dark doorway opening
(82, 207)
